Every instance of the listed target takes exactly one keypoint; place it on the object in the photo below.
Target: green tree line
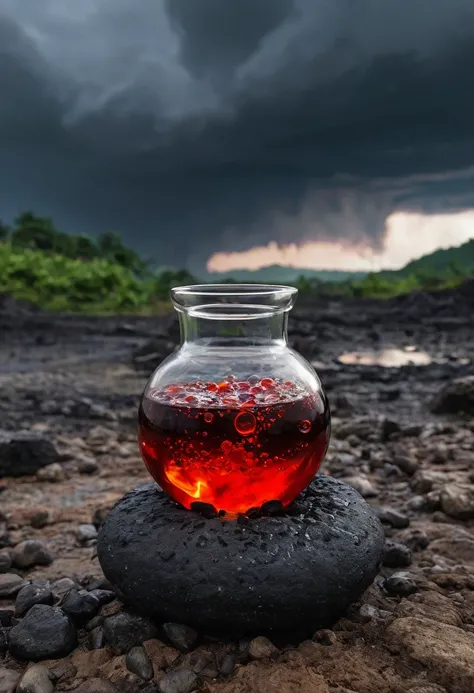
(60, 271)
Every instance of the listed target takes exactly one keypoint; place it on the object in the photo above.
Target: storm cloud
(195, 126)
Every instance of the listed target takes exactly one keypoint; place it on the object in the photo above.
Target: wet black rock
(238, 579)
(396, 555)
(46, 632)
(182, 637)
(124, 630)
(5, 561)
(30, 595)
(24, 452)
(139, 663)
(103, 596)
(80, 605)
(178, 681)
(455, 397)
(227, 664)
(31, 552)
(400, 585)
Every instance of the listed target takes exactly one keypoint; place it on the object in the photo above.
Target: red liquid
(233, 445)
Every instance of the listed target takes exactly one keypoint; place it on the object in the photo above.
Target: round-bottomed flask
(234, 418)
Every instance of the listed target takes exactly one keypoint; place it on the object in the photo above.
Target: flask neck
(228, 331)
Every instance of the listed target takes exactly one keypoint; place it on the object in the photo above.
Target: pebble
(86, 533)
(325, 637)
(408, 465)
(103, 596)
(80, 605)
(31, 552)
(227, 664)
(30, 595)
(178, 681)
(125, 630)
(262, 648)
(182, 637)
(5, 561)
(198, 661)
(457, 501)
(417, 540)
(400, 585)
(36, 680)
(392, 517)
(52, 472)
(62, 586)
(46, 632)
(396, 555)
(139, 663)
(362, 485)
(10, 584)
(87, 465)
(97, 638)
(40, 519)
(8, 680)
(24, 452)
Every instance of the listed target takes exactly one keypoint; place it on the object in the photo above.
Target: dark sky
(195, 126)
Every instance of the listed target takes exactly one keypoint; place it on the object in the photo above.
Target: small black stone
(81, 606)
(392, 517)
(139, 663)
(178, 681)
(417, 540)
(227, 664)
(400, 585)
(125, 630)
(29, 596)
(205, 509)
(46, 632)
(396, 555)
(103, 596)
(233, 580)
(182, 637)
(272, 508)
(24, 452)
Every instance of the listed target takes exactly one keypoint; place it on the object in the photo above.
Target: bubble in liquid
(304, 426)
(253, 379)
(226, 446)
(245, 423)
(208, 417)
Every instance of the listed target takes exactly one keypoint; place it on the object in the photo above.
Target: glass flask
(234, 418)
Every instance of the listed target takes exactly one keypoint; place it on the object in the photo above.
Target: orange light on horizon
(408, 235)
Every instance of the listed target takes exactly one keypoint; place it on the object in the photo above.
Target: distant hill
(280, 274)
(460, 258)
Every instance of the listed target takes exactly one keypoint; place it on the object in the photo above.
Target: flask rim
(233, 300)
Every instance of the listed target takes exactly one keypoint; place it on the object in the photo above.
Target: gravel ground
(403, 437)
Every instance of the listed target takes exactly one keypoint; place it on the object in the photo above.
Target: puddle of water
(388, 358)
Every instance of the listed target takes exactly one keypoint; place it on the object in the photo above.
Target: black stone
(46, 632)
(24, 452)
(396, 555)
(139, 663)
(178, 681)
(271, 508)
(276, 573)
(6, 616)
(391, 517)
(400, 585)
(227, 664)
(103, 596)
(182, 637)
(81, 606)
(123, 631)
(31, 595)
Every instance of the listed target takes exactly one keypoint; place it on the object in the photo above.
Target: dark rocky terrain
(403, 437)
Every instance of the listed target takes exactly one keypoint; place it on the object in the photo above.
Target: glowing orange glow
(408, 235)
(176, 479)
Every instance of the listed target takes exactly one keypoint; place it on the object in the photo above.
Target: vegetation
(60, 271)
